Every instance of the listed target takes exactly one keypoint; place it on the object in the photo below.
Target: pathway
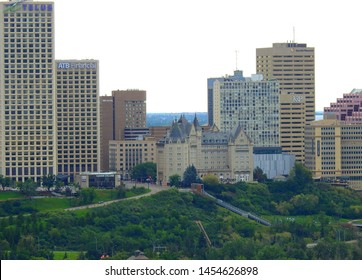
(154, 189)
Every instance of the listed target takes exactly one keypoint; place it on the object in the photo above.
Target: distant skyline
(170, 48)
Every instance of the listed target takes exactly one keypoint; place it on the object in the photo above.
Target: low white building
(273, 162)
(101, 180)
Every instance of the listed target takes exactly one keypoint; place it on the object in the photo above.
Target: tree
(48, 181)
(26, 247)
(4, 248)
(143, 171)
(190, 176)
(283, 207)
(259, 175)
(210, 180)
(301, 176)
(304, 204)
(28, 187)
(58, 185)
(81, 256)
(121, 192)
(87, 195)
(175, 180)
(6, 182)
(68, 191)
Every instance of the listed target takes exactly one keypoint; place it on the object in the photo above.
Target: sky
(170, 47)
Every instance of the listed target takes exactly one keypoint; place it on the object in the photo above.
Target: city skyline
(170, 49)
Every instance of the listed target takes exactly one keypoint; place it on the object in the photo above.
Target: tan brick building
(77, 103)
(293, 65)
(334, 151)
(125, 154)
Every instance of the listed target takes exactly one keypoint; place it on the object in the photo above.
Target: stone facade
(226, 155)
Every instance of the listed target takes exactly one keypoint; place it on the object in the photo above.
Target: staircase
(201, 227)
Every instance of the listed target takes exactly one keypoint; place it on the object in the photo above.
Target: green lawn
(49, 203)
(66, 255)
(137, 191)
(105, 195)
(55, 203)
(10, 195)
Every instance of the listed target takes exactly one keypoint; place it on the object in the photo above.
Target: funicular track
(199, 189)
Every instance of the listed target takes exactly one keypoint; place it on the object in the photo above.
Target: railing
(238, 210)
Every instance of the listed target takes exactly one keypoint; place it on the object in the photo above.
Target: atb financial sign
(23, 6)
(76, 65)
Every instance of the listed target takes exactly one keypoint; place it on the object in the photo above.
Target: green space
(6, 195)
(107, 195)
(167, 225)
(66, 255)
(23, 205)
(48, 203)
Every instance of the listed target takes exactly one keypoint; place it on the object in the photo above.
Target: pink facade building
(347, 109)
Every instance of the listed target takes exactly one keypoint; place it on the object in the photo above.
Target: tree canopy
(210, 180)
(190, 176)
(301, 176)
(6, 182)
(175, 180)
(28, 187)
(259, 175)
(143, 171)
(48, 181)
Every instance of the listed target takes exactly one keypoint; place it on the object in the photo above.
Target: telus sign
(22, 6)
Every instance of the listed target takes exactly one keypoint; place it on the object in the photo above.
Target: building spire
(196, 123)
(236, 60)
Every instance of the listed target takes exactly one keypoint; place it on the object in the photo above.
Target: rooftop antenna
(293, 34)
(236, 59)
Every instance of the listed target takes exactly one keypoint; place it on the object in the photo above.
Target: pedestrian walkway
(153, 189)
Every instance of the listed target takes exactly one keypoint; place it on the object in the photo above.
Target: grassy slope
(10, 195)
(55, 203)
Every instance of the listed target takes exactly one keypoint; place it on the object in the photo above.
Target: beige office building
(228, 155)
(123, 117)
(126, 154)
(292, 64)
(334, 151)
(27, 89)
(77, 103)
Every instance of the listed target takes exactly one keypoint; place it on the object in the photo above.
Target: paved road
(154, 189)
